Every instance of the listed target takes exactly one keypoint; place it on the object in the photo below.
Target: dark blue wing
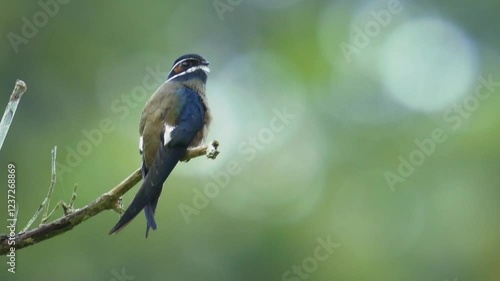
(189, 123)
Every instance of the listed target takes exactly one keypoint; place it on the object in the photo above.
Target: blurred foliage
(321, 174)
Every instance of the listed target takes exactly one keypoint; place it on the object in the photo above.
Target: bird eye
(185, 63)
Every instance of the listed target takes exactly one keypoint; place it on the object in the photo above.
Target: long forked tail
(147, 196)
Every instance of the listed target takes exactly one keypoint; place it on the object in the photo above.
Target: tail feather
(149, 210)
(147, 196)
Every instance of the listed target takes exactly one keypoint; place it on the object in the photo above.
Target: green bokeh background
(322, 175)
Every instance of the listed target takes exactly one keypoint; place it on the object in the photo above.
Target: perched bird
(175, 118)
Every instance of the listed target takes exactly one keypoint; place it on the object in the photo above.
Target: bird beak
(204, 66)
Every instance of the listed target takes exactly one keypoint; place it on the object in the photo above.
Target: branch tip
(19, 89)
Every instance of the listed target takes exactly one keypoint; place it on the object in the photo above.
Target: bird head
(187, 67)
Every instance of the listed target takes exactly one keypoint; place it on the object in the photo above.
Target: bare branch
(110, 200)
(10, 110)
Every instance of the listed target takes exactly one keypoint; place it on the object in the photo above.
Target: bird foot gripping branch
(212, 151)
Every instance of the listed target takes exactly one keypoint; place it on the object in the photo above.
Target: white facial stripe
(141, 144)
(166, 134)
(202, 67)
(190, 70)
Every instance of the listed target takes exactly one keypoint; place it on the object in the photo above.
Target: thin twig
(53, 181)
(32, 220)
(69, 208)
(10, 110)
(107, 201)
(53, 210)
(15, 216)
(46, 201)
(73, 197)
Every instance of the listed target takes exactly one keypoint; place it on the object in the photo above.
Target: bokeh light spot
(428, 64)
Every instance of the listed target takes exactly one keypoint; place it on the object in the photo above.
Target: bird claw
(212, 151)
(118, 206)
